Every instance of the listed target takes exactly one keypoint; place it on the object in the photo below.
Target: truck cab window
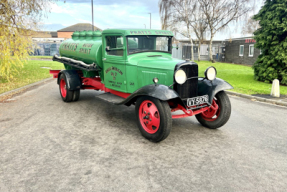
(151, 43)
(115, 42)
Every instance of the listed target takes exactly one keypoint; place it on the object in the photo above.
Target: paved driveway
(91, 145)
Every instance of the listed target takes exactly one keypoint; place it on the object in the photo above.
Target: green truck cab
(135, 67)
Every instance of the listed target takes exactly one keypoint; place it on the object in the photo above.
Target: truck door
(114, 60)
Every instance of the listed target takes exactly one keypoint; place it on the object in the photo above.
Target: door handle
(104, 59)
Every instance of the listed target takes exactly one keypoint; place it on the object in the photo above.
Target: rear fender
(73, 79)
(211, 88)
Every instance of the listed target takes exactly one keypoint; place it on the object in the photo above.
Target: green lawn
(30, 73)
(240, 77)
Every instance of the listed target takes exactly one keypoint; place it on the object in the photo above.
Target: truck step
(110, 98)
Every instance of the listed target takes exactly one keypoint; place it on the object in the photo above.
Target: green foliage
(18, 21)
(271, 38)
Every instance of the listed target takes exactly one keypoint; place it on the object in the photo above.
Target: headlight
(210, 73)
(180, 76)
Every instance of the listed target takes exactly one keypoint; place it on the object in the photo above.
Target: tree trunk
(191, 42)
(198, 51)
(210, 49)
(191, 50)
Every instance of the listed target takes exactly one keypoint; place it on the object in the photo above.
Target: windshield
(147, 43)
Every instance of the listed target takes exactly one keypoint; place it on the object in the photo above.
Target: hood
(157, 60)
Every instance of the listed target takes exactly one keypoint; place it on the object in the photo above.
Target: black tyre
(218, 114)
(66, 94)
(76, 95)
(154, 118)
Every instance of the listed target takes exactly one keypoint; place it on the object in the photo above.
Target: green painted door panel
(114, 63)
(115, 73)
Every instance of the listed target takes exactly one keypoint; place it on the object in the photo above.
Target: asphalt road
(91, 145)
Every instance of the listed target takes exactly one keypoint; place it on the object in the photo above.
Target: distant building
(184, 50)
(68, 31)
(241, 51)
(46, 43)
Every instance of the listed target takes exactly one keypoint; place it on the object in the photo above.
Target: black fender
(159, 91)
(211, 88)
(73, 79)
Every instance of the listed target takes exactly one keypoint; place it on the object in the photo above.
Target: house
(241, 51)
(68, 31)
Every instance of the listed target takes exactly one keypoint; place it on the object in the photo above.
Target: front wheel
(218, 113)
(154, 118)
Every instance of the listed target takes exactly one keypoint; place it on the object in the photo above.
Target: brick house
(68, 31)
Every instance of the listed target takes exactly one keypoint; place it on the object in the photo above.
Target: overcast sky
(112, 14)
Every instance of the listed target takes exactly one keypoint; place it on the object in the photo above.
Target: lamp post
(145, 26)
(92, 1)
(149, 20)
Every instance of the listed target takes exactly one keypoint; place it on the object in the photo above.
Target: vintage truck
(135, 67)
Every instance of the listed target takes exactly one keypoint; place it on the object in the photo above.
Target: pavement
(91, 145)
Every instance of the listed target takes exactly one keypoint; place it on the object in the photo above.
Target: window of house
(115, 42)
(251, 50)
(241, 50)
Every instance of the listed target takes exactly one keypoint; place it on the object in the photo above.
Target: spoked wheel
(66, 94)
(154, 118)
(218, 113)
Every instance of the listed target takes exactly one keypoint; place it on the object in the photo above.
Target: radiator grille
(189, 88)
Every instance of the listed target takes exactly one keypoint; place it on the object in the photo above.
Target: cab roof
(127, 32)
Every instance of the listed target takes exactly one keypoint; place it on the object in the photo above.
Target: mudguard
(161, 92)
(73, 79)
(211, 88)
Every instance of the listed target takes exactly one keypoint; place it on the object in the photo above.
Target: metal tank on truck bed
(85, 46)
(135, 67)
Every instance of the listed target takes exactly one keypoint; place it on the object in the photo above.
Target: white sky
(114, 14)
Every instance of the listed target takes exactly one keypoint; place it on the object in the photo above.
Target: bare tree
(250, 26)
(199, 26)
(220, 13)
(174, 13)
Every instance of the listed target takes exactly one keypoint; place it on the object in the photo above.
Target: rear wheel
(154, 118)
(76, 95)
(66, 94)
(218, 113)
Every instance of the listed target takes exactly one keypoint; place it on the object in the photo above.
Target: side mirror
(108, 48)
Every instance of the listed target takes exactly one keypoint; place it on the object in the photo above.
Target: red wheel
(154, 118)
(218, 113)
(63, 88)
(66, 94)
(149, 116)
(213, 112)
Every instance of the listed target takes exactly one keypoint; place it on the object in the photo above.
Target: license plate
(197, 100)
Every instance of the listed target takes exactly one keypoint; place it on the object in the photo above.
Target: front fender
(161, 92)
(211, 88)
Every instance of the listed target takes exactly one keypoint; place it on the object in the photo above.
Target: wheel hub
(149, 117)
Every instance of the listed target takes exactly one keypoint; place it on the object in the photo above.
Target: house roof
(79, 27)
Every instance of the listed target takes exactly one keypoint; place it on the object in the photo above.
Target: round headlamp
(180, 76)
(210, 73)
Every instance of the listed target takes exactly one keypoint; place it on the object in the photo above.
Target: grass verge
(30, 73)
(240, 77)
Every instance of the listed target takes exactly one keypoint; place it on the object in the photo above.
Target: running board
(111, 98)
